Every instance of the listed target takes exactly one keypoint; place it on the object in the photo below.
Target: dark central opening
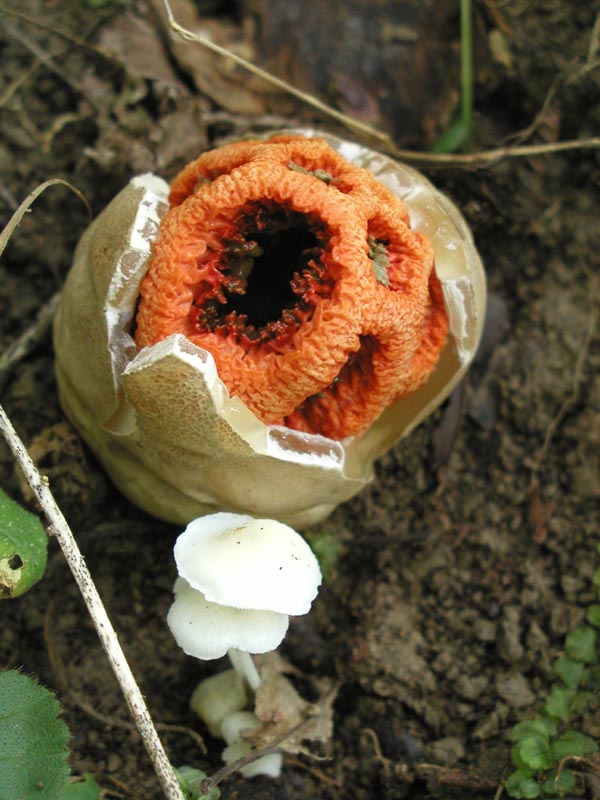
(282, 251)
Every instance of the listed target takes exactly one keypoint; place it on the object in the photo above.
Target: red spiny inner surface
(262, 277)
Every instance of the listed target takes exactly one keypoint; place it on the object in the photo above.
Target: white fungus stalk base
(237, 747)
(217, 697)
(245, 667)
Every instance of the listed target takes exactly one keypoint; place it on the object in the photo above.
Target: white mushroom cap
(236, 560)
(207, 630)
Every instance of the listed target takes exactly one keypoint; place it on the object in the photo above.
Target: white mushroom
(208, 630)
(239, 579)
(217, 697)
(260, 564)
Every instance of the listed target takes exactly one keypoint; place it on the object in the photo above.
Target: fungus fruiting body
(319, 304)
(239, 578)
(255, 338)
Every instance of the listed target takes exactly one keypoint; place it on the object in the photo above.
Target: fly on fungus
(254, 338)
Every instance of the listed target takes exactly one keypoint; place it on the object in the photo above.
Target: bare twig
(59, 527)
(385, 762)
(483, 158)
(116, 722)
(487, 158)
(60, 672)
(220, 775)
(15, 84)
(594, 45)
(29, 339)
(309, 99)
(45, 58)
(334, 786)
(500, 789)
(28, 202)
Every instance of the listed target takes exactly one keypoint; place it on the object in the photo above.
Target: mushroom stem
(245, 667)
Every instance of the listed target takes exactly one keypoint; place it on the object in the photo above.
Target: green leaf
(328, 550)
(535, 752)
(23, 548)
(531, 727)
(521, 785)
(549, 724)
(573, 743)
(86, 789)
(560, 784)
(571, 672)
(518, 762)
(596, 579)
(190, 780)
(33, 742)
(558, 703)
(580, 645)
(582, 700)
(594, 676)
(455, 136)
(593, 615)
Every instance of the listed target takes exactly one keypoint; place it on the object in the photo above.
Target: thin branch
(28, 202)
(486, 158)
(14, 86)
(594, 45)
(29, 339)
(483, 158)
(45, 58)
(309, 99)
(106, 633)
(209, 783)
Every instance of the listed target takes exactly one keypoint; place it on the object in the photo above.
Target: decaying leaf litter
(459, 580)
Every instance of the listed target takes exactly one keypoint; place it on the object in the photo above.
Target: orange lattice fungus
(301, 275)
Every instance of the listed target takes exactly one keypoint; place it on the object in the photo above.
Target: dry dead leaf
(284, 713)
(227, 84)
(58, 452)
(138, 46)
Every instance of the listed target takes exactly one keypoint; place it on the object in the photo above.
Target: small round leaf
(573, 743)
(23, 548)
(33, 742)
(572, 672)
(535, 752)
(522, 786)
(593, 615)
(580, 645)
(558, 703)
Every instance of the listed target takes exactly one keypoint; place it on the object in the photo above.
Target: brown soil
(470, 556)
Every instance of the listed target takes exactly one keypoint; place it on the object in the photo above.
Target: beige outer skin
(162, 422)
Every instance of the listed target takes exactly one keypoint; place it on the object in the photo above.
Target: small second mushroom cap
(236, 560)
(206, 630)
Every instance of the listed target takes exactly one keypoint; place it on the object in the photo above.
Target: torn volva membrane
(298, 305)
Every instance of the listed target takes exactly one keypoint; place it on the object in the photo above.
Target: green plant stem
(466, 67)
